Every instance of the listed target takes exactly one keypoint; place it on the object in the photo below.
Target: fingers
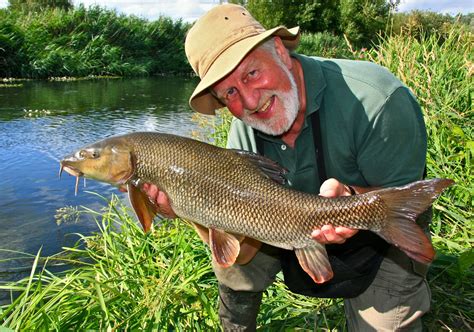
(165, 206)
(160, 199)
(328, 234)
(334, 188)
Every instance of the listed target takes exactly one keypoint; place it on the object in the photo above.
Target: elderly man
(340, 127)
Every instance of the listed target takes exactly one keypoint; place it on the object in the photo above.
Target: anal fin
(314, 261)
(225, 247)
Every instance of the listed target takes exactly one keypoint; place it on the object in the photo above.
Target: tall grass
(439, 69)
(89, 41)
(440, 75)
(124, 279)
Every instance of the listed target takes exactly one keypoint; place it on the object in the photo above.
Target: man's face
(261, 92)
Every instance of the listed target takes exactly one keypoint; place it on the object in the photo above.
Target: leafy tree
(359, 20)
(362, 20)
(12, 57)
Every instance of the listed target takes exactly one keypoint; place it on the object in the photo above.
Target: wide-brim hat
(219, 41)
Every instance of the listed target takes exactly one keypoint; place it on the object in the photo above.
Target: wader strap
(318, 145)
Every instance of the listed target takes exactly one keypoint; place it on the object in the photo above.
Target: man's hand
(329, 234)
(160, 199)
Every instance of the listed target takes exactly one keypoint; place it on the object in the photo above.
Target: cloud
(439, 6)
(188, 10)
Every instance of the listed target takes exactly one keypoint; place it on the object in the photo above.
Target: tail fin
(404, 205)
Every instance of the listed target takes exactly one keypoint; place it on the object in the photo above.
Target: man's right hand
(160, 199)
(248, 247)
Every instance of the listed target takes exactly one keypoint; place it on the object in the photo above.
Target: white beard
(278, 123)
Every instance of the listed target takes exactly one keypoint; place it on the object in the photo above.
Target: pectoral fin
(314, 261)
(225, 247)
(143, 207)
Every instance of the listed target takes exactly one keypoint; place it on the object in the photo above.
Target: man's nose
(250, 98)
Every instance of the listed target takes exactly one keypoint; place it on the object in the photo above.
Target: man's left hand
(329, 234)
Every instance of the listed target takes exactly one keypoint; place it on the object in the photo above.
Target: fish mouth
(71, 170)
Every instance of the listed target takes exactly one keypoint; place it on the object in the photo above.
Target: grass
(124, 279)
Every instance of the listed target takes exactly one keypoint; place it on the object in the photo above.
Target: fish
(238, 194)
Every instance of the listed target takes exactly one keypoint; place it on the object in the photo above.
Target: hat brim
(202, 100)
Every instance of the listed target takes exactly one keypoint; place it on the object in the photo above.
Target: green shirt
(372, 128)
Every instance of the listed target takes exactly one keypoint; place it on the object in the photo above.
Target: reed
(438, 68)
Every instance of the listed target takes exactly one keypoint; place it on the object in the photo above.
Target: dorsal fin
(270, 168)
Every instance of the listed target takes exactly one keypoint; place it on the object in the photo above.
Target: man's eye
(252, 73)
(230, 92)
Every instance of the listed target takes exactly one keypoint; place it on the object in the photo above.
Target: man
(340, 127)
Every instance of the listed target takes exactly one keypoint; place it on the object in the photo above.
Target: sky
(190, 10)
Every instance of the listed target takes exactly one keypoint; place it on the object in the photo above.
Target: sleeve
(241, 137)
(393, 149)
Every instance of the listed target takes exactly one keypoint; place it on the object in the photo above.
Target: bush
(93, 41)
(324, 44)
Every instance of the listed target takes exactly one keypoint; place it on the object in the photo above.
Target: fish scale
(234, 194)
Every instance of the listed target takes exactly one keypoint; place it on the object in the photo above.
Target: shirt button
(283, 147)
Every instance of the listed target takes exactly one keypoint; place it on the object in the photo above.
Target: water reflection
(43, 121)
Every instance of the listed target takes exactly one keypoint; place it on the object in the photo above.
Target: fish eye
(88, 154)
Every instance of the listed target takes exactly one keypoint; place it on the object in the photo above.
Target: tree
(359, 20)
(362, 20)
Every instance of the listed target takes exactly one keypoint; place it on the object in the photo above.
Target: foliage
(91, 41)
(11, 46)
(323, 44)
(359, 20)
(423, 24)
(122, 279)
(38, 5)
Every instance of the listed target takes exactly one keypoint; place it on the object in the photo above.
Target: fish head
(109, 160)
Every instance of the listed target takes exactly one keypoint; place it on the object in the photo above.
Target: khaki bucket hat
(218, 42)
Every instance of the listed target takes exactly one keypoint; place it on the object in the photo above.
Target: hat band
(233, 38)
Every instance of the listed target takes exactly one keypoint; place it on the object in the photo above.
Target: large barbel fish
(236, 194)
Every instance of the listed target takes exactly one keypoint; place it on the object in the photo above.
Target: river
(40, 122)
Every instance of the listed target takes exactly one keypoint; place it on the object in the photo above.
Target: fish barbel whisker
(77, 185)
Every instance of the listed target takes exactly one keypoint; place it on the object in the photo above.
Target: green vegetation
(46, 38)
(92, 41)
(121, 278)
(438, 68)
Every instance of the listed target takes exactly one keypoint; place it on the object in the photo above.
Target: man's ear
(283, 52)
